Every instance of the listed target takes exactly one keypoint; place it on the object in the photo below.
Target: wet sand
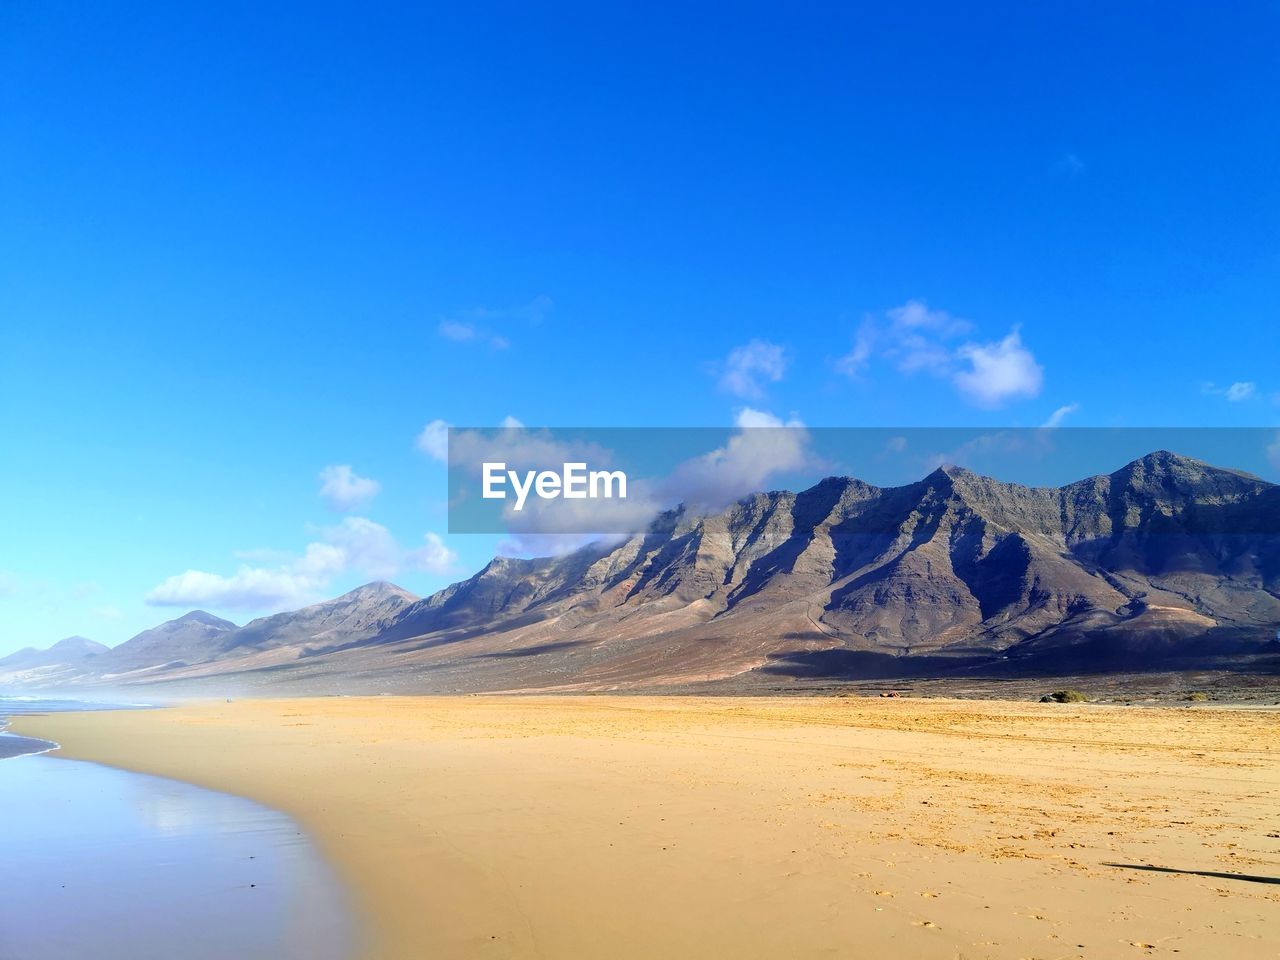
(103, 864)
(704, 827)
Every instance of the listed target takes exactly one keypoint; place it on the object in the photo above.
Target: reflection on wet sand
(121, 866)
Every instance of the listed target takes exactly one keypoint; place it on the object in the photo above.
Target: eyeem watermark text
(574, 482)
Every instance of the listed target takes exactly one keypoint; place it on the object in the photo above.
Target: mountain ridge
(1167, 557)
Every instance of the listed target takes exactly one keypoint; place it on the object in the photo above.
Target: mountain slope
(188, 639)
(361, 613)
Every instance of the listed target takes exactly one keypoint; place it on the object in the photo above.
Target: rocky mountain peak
(203, 617)
(78, 644)
(377, 590)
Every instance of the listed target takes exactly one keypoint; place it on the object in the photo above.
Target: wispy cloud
(1070, 166)
(750, 366)
(344, 489)
(1058, 416)
(853, 363)
(915, 339)
(485, 325)
(456, 331)
(434, 438)
(460, 332)
(1237, 392)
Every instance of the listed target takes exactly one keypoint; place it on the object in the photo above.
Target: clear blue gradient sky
(244, 243)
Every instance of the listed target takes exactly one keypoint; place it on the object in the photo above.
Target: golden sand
(617, 827)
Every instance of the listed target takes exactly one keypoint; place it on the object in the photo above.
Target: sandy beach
(696, 827)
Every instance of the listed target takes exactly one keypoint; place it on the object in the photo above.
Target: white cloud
(998, 371)
(511, 423)
(1058, 416)
(356, 545)
(345, 490)
(249, 588)
(750, 419)
(915, 339)
(361, 544)
(750, 365)
(433, 556)
(1238, 392)
(434, 440)
(763, 447)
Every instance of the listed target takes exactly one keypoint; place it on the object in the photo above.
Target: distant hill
(70, 650)
(1167, 561)
(72, 656)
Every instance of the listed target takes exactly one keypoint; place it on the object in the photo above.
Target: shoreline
(8, 739)
(643, 826)
(36, 746)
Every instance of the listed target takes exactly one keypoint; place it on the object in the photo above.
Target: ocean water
(16, 706)
(112, 865)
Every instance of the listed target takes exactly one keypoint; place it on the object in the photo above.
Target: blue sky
(242, 244)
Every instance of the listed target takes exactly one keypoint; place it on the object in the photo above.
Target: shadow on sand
(841, 664)
(1248, 878)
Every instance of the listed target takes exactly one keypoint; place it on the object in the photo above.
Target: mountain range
(1166, 562)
